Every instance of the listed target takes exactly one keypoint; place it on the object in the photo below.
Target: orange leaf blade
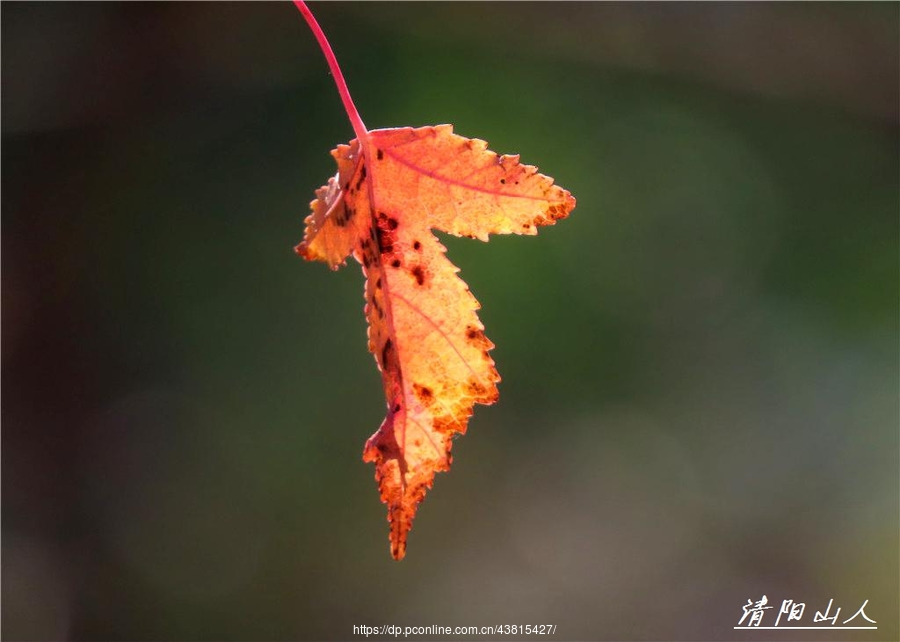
(332, 229)
(423, 328)
(461, 187)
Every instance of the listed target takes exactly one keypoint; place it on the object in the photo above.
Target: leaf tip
(398, 548)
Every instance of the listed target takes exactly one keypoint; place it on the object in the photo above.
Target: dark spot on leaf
(476, 338)
(362, 177)
(395, 263)
(396, 407)
(378, 308)
(503, 180)
(385, 241)
(557, 211)
(386, 235)
(417, 246)
(385, 353)
(424, 393)
(380, 155)
(419, 273)
(476, 388)
(378, 283)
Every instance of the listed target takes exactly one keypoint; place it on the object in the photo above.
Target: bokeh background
(700, 366)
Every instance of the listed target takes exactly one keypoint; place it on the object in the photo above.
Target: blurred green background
(699, 402)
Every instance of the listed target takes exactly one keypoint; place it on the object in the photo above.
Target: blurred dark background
(700, 366)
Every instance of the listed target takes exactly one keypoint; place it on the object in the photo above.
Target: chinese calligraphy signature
(755, 610)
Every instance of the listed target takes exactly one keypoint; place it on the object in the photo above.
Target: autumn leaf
(392, 188)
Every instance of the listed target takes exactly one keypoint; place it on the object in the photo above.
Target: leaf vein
(452, 181)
